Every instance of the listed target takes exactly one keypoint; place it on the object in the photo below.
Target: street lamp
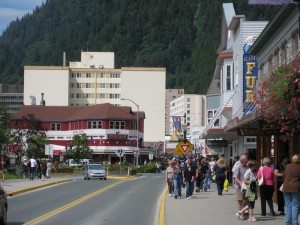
(137, 121)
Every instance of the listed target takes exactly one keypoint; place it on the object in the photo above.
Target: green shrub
(149, 168)
(12, 175)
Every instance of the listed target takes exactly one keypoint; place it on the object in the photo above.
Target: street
(111, 202)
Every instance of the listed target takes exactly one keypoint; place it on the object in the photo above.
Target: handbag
(261, 179)
(226, 184)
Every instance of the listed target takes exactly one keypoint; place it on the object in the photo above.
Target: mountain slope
(181, 35)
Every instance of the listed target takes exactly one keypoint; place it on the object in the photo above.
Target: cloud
(10, 10)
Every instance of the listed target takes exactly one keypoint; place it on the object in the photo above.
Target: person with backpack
(249, 187)
(220, 169)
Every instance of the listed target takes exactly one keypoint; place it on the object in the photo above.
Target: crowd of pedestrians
(248, 179)
(34, 168)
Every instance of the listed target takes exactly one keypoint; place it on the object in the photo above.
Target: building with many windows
(94, 80)
(11, 96)
(190, 109)
(226, 100)
(108, 128)
(171, 94)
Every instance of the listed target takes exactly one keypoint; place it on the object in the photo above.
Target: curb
(13, 193)
(161, 220)
(120, 177)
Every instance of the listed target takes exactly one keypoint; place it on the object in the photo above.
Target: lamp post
(137, 123)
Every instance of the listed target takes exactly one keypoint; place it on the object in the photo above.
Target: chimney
(64, 59)
(43, 103)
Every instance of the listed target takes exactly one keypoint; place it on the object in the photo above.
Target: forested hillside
(181, 35)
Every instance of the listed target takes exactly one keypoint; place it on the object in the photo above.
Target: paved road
(110, 202)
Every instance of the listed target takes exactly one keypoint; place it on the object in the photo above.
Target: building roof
(70, 113)
(272, 27)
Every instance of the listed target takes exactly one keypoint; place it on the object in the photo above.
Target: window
(117, 125)
(294, 42)
(228, 78)
(55, 126)
(188, 118)
(188, 111)
(73, 85)
(102, 75)
(114, 95)
(88, 75)
(78, 95)
(88, 85)
(188, 99)
(211, 115)
(133, 125)
(78, 85)
(78, 75)
(114, 75)
(102, 85)
(250, 140)
(114, 85)
(102, 95)
(88, 95)
(73, 75)
(95, 124)
(188, 106)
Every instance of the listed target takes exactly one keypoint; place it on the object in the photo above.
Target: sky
(11, 9)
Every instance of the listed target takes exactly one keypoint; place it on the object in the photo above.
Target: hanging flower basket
(278, 99)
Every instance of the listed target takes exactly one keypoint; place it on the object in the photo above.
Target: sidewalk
(18, 186)
(209, 208)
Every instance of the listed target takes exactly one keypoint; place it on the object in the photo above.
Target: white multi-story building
(94, 80)
(225, 98)
(190, 108)
(171, 94)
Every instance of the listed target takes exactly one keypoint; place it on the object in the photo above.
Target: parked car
(94, 171)
(3, 206)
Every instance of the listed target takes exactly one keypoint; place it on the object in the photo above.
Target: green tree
(28, 133)
(5, 131)
(79, 148)
(36, 146)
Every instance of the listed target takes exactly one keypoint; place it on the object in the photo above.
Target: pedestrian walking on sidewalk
(291, 191)
(238, 175)
(220, 169)
(43, 169)
(48, 169)
(169, 178)
(177, 178)
(32, 164)
(249, 187)
(188, 178)
(279, 171)
(207, 175)
(267, 189)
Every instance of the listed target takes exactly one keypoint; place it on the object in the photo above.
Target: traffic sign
(184, 146)
(120, 152)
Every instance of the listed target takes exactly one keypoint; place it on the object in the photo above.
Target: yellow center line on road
(71, 204)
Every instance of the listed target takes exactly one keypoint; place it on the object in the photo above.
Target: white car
(94, 171)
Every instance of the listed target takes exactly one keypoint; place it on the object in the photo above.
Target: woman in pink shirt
(267, 189)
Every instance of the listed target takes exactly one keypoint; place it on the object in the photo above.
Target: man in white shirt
(33, 165)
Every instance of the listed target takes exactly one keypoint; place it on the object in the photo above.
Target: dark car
(3, 206)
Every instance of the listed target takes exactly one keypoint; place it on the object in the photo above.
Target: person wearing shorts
(238, 174)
